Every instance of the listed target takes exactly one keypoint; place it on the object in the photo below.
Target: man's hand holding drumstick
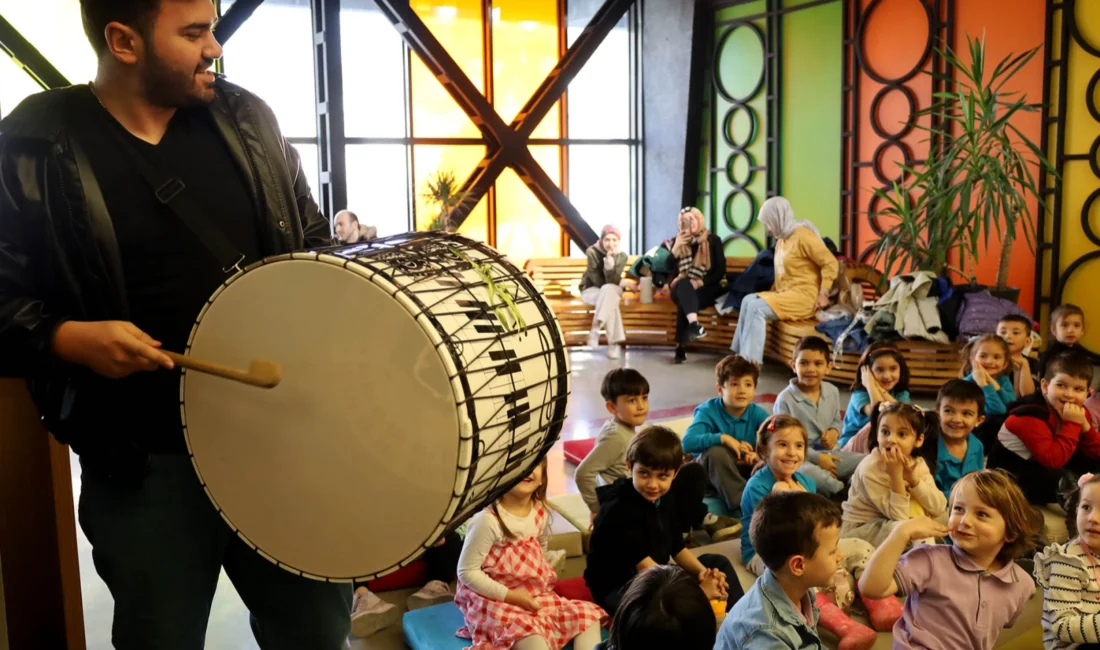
(113, 349)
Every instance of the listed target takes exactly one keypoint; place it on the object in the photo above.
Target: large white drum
(423, 375)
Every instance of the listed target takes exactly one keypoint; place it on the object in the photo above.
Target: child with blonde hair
(959, 595)
(894, 482)
(505, 583)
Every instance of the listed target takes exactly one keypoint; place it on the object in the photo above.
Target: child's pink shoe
(852, 635)
(883, 612)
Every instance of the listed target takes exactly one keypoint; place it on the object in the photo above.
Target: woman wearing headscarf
(602, 286)
(804, 273)
(697, 265)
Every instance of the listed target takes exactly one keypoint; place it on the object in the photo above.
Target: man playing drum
(100, 266)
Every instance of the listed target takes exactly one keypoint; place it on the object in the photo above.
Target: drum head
(309, 471)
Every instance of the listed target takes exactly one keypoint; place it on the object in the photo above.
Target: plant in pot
(442, 193)
(978, 178)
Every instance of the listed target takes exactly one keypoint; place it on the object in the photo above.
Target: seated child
(959, 595)
(505, 584)
(988, 364)
(636, 527)
(1049, 434)
(894, 482)
(816, 403)
(663, 608)
(960, 406)
(1067, 573)
(723, 431)
(882, 377)
(798, 536)
(1016, 331)
(626, 395)
(370, 614)
(781, 442)
(1067, 326)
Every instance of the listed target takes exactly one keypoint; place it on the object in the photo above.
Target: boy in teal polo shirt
(960, 405)
(723, 432)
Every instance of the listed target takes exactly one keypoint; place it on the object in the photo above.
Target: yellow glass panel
(525, 50)
(457, 26)
(55, 29)
(460, 159)
(524, 228)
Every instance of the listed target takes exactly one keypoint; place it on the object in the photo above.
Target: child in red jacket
(1049, 435)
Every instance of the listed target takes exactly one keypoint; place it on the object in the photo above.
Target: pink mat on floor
(576, 450)
(574, 589)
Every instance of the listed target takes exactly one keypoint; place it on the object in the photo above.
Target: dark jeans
(708, 560)
(688, 489)
(161, 547)
(987, 431)
(726, 476)
(690, 300)
(1039, 484)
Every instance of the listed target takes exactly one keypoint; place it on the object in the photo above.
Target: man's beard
(167, 87)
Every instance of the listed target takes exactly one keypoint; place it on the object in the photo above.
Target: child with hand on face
(894, 482)
(960, 406)
(959, 595)
(798, 535)
(882, 377)
(1070, 574)
(723, 430)
(988, 364)
(816, 403)
(1067, 327)
(1048, 439)
(505, 584)
(1016, 331)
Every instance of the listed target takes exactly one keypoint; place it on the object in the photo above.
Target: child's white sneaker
(433, 593)
(371, 614)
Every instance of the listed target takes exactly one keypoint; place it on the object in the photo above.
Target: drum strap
(170, 191)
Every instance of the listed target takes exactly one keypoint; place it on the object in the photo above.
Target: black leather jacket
(59, 259)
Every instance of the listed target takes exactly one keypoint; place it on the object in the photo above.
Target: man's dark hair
(813, 344)
(656, 447)
(1016, 318)
(784, 523)
(1070, 362)
(663, 608)
(960, 390)
(623, 381)
(136, 14)
(735, 367)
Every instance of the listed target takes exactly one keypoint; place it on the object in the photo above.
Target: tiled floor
(674, 392)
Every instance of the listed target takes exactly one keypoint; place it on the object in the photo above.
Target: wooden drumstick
(260, 373)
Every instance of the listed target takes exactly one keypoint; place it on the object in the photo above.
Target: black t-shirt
(169, 272)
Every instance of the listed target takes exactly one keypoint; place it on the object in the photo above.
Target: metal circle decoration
(1086, 225)
(732, 127)
(728, 87)
(739, 195)
(1092, 96)
(880, 156)
(1063, 280)
(873, 213)
(1074, 27)
(876, 104)
(747, 162)
(1094, 157)
(861, 34)
(743, 237)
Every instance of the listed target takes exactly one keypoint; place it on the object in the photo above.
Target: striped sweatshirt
(1071, 597)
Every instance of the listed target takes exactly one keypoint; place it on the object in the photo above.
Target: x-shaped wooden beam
(507, 143)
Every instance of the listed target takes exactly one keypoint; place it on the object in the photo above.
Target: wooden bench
(930, 364)
(645, 324)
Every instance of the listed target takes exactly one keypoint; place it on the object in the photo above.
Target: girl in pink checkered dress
(505, 584)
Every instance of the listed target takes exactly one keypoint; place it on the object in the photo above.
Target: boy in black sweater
(1067, 327)
(636, 527)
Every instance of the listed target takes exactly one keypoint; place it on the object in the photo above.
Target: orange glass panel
(457, 25)
(460, 159)
(525, 50)
(524, 228)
